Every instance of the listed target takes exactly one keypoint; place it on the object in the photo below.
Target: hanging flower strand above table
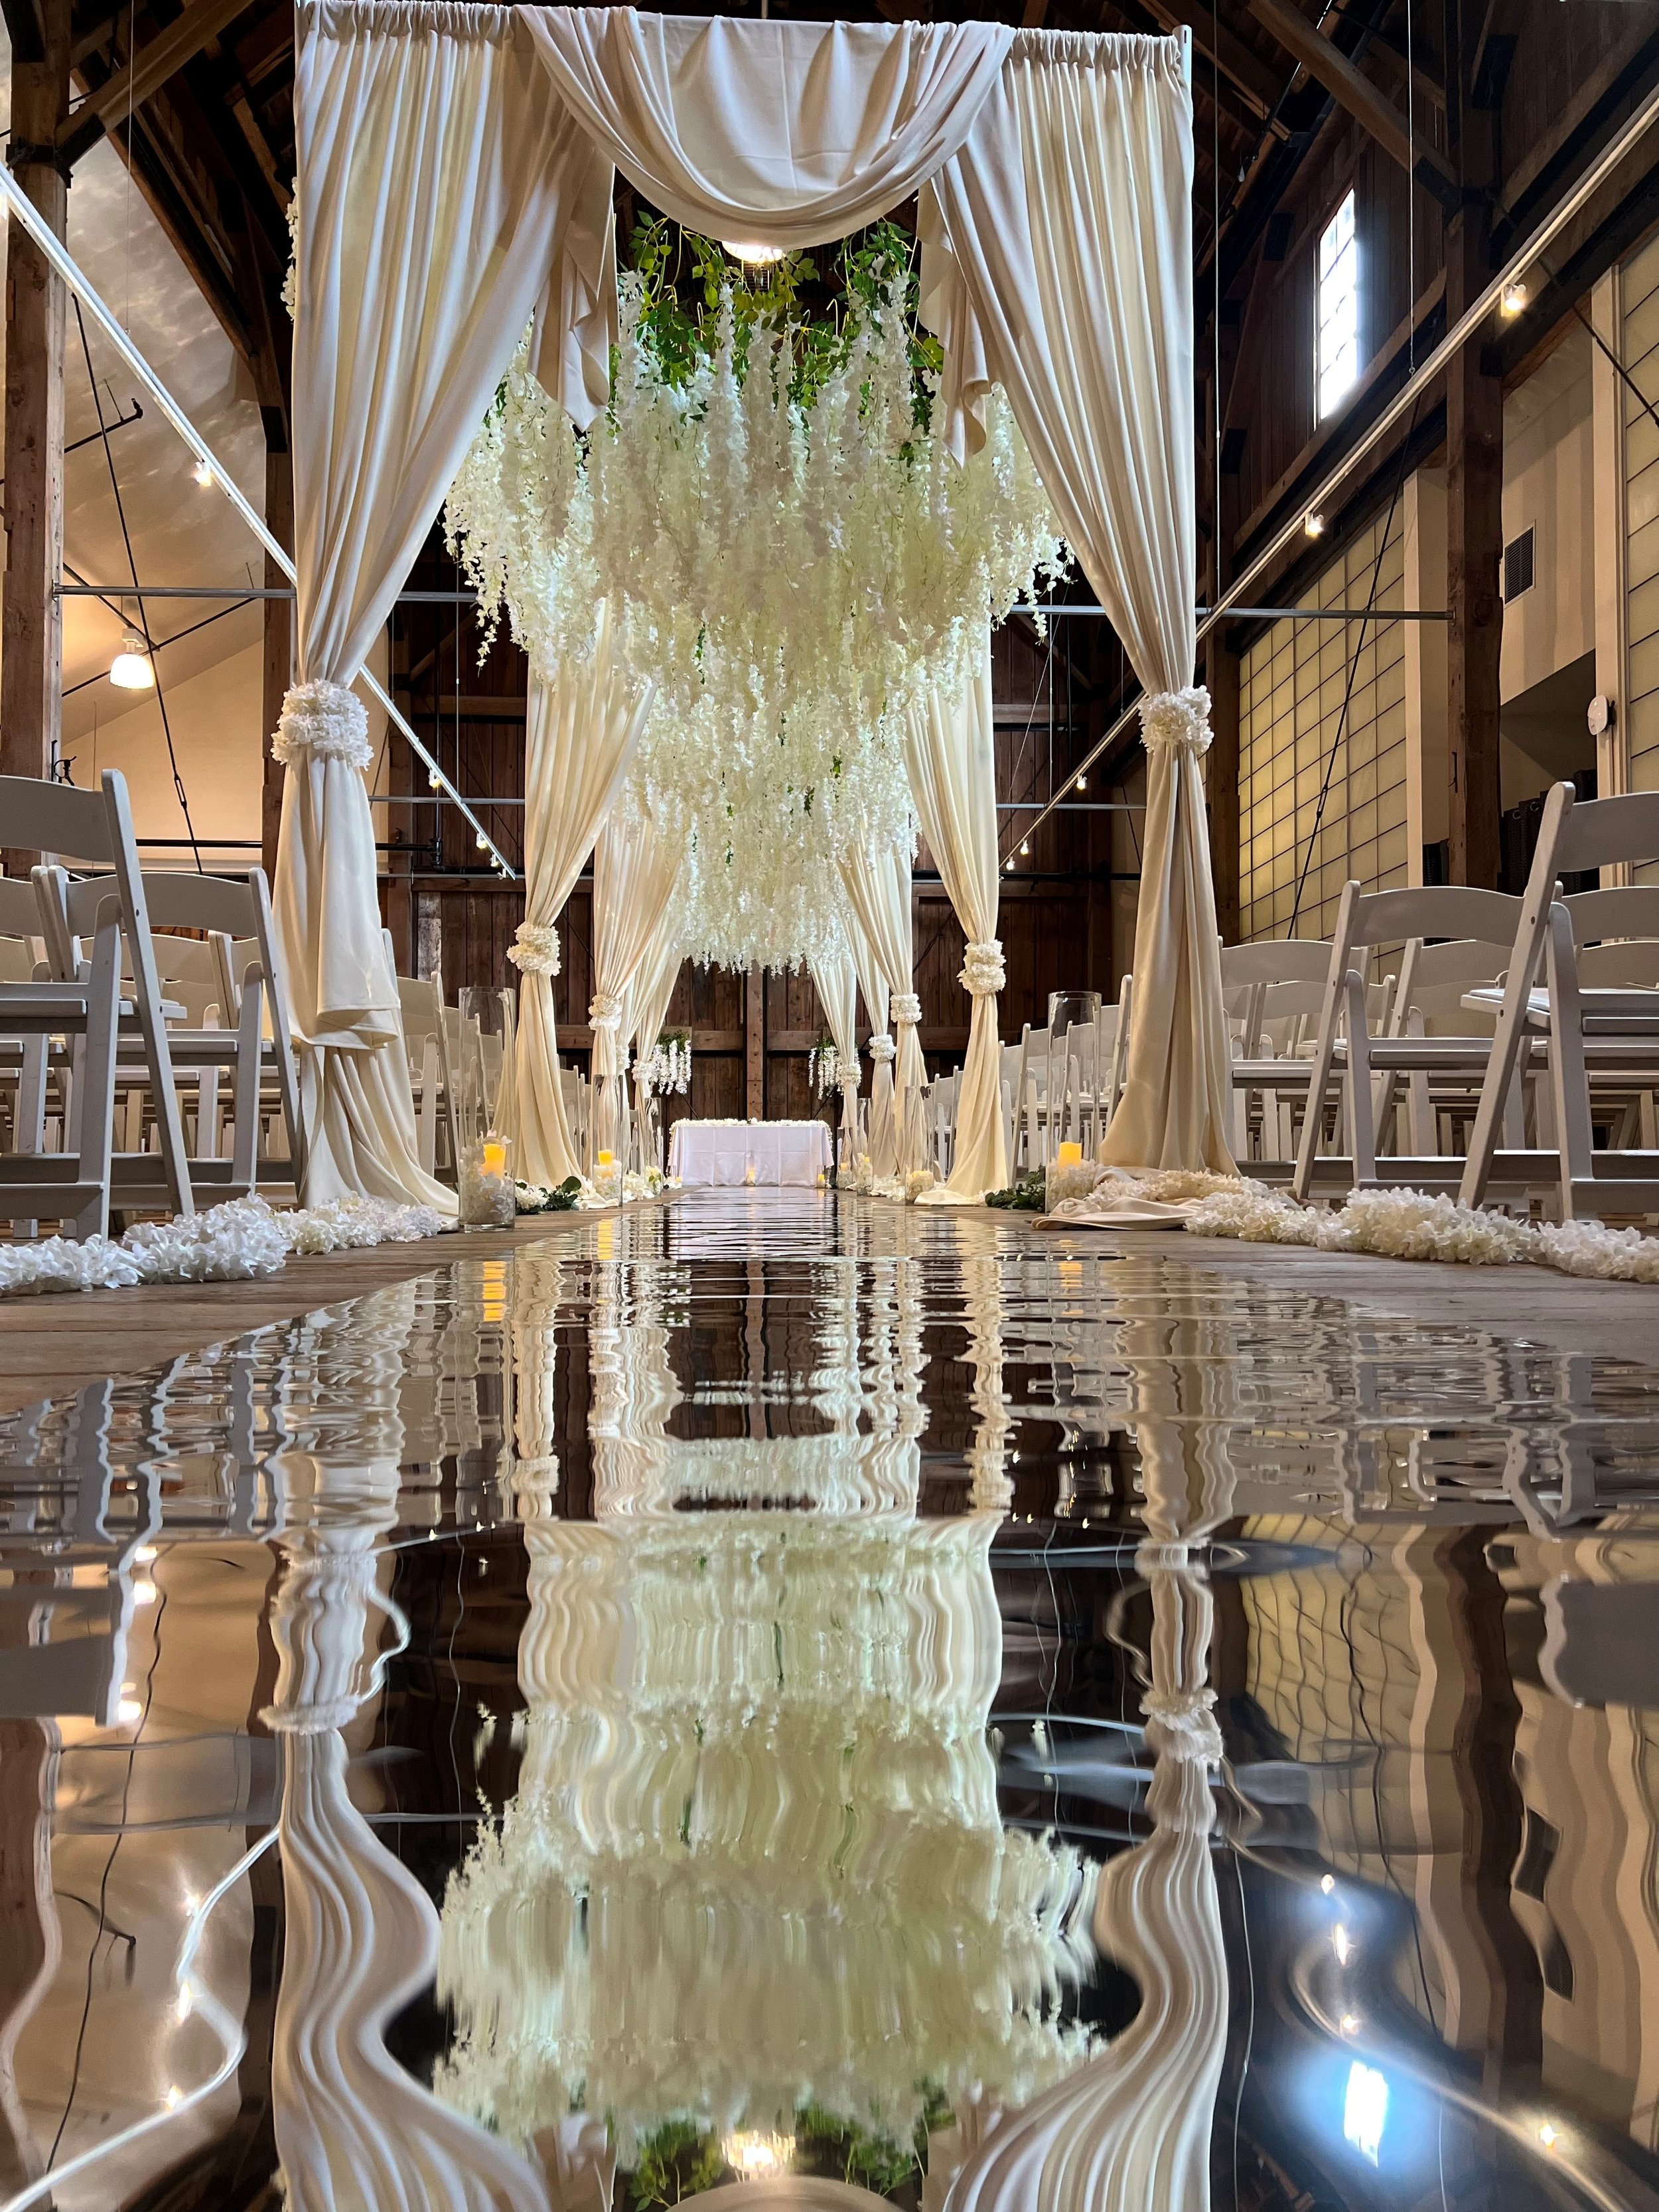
(790, 555)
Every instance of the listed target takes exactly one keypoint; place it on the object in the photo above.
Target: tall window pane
(1337, 352)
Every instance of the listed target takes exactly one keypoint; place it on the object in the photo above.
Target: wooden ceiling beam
(1351, 90)
(156, 61)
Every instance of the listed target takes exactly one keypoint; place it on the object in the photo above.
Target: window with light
(1338, 347)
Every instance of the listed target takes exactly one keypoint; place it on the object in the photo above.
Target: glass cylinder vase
(1072, 1087)
(489, 1199)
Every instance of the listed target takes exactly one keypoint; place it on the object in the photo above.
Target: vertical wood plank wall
(1291, 684)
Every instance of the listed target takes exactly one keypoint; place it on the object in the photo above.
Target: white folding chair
(426, 1036)
(1354, 1039)
(73, 1186)
(1587, 1031)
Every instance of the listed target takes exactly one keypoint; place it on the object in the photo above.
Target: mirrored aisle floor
(825, 1703)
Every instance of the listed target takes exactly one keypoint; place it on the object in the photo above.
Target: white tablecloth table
(721, 1153)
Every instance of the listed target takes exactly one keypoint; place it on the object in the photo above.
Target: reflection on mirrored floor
(831, 1704)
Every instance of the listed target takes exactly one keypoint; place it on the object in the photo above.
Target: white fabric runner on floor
(723, 1154)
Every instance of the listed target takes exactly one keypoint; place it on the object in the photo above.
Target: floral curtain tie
(905, 1007)
(322, 722)
(535, 948)
(882, 1048)
(1178, 720)
(1179, 1723)
(982, 972)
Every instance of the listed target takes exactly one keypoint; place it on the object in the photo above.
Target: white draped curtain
(1056, 261)
(877, 887)
(835, 976)
(648, 1008)
(950, 749)
(880, 1131)
(582, 734)
(635, 873)
(455, 173)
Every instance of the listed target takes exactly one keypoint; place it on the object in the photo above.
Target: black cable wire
(1353, 666)
(144, 619)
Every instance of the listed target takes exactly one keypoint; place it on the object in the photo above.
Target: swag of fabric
(455, 167)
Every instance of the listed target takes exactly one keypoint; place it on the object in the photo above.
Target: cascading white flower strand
(789, 572)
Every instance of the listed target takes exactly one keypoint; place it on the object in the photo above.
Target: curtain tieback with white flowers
(322, 722)
(905, 1007)
(605, 1013)
(883, 1049)
(982, 972)
(1178, 720)
(1181, 1725)
(535, 948)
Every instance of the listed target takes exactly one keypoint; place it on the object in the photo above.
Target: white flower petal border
(233, 1243)
(1397, 1224)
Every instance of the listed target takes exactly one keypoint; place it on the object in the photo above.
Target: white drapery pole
(581, 734)
(951, 751)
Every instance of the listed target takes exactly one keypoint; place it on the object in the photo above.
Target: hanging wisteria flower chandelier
(792, 555)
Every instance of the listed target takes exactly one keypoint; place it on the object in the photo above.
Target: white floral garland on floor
(789, 576)
(233, 1243)
(1395, 1224)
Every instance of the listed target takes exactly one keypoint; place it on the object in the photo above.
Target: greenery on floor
(1028, 1195)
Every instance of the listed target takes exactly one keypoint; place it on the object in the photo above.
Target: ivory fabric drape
(949, 750)
(1056, 261)
(434, 175)
(877, 887)
(648, 1009)
(444, 193)
(582, 730)
(635, 873)
(836, 979)
(880, 1130)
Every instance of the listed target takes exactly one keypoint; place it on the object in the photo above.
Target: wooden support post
(1221, 782)
(31, 612)
(279, 627)
(1474, 498)
(754, 1036)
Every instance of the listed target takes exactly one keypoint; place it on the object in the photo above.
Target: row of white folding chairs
(1517, 1029)
(91, 1021)
(1088, 1076)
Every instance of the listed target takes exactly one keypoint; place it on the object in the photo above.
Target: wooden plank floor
(63, 1341)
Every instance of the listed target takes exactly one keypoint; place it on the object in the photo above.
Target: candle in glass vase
(1069, 1176)
(489, 1199)
(1070, 1154)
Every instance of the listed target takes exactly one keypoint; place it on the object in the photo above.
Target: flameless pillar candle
(1070, 1155)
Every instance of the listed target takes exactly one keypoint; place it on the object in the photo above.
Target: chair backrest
(1433, 979)
(1629, 910)
(1629, 967)
(56, 818)
(1577, 834)
(20, 929)
(1368, 918)
(421, 1007)
(1275, 960)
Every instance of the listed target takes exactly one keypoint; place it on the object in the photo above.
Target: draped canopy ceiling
(455, 172)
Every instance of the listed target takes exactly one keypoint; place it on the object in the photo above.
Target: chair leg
(1569, 1077)
(249, 1052)
(1362, 1126)
(97, 1084)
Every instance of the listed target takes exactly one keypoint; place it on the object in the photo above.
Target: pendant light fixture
(130, 670)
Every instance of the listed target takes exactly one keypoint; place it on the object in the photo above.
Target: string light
(1314, 524)
(1513, 301)
(202, 473)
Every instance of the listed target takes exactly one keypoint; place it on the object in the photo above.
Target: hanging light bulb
(1314, 524)
(751, 254)
(130, 670)
(1083, 783)
(1513, 301)
(1025, 844)
(202, 473)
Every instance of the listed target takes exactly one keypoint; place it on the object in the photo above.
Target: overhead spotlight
(202, 473)
(1314, 524)
(751, 254)
(481, 841)
(130, 670)
(1513, 301)
(435, 781)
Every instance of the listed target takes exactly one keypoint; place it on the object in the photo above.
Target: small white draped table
(726, 1154)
